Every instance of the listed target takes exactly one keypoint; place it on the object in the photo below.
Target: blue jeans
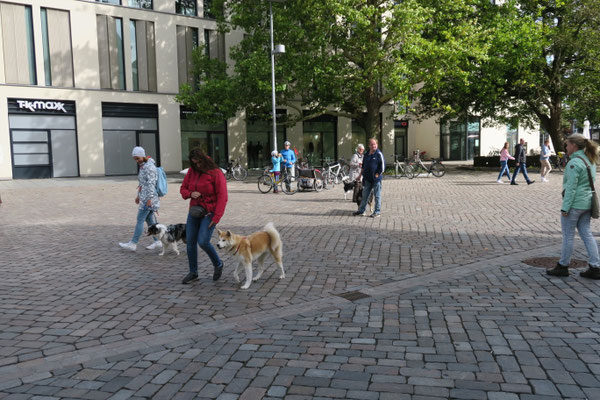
(144, 214)
(523, 168)
(579, 219)
(376, 188)
(504, 169)
(197, 231)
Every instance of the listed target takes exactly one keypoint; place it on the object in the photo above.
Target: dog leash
(238, 247)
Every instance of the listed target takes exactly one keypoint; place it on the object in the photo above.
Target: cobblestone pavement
(448, 309)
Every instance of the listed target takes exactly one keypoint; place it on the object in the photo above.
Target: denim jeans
(523, 168)
(376, 188)
(197, 231)
(144, 214)
(504, 169)
(579, 219)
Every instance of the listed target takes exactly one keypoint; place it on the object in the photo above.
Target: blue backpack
(161, 182)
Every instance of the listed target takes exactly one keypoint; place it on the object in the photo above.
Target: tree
(344, 58)
(542, 67)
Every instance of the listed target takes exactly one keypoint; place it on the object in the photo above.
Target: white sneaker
(544, 180)
(128, 246)
(499, 181)
(157, 244)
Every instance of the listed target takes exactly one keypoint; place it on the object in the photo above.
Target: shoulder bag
(595, 207)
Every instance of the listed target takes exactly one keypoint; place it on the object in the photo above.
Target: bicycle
(283, 182)
(332, 174)
(236, 171)
(402, 169)
(559, 161)
(436, 167)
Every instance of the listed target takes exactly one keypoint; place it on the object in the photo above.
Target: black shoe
(591, 273)
(357, 213)
(530, 182)
(559, 270)
(217, 272)
(514, 183)
(189, 277)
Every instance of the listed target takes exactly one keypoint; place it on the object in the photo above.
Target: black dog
(358, 194)
(168, 235)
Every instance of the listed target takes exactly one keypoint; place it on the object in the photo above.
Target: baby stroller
(309, 179)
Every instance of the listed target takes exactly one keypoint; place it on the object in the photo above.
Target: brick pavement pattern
(450, 312)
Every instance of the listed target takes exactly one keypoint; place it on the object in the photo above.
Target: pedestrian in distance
(372, 173)
(504, 157)
(289, 158)
(146, 198)
(276, 161)
(521, 161)
(356, 162)
(577, 205)
(545, 160)
(206, 186)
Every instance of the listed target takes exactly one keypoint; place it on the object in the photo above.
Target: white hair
(360, 146)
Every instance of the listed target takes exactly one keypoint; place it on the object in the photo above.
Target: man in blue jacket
(372, 172)
(289, 157)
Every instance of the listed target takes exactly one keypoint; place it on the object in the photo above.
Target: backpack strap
(589, 173)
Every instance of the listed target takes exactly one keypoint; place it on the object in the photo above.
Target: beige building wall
(424, 136)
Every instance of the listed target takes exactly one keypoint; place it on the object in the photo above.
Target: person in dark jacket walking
(520, 162)
(372, 173)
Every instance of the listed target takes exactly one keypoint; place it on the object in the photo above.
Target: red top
(213, 187)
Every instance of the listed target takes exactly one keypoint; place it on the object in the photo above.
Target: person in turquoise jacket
(577, 204)
(276, 160)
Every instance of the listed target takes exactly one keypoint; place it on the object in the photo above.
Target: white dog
(246, 249)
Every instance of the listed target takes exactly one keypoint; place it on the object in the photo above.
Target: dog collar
(238, 247)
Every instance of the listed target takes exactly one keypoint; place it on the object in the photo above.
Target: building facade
(82, 82)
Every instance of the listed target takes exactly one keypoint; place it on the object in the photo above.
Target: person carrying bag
(206, 186)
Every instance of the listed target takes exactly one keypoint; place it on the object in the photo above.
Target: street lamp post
(278, 49)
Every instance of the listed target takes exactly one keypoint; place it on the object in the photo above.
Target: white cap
(138, 152)
(286, 143)
(274, 153)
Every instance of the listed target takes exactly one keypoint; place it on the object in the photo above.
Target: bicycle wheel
(240, 173)
(416, 169)
(318, 185)
(438, 170)
(408, 171)
(228, 175)
(265, 184)
(288, 187)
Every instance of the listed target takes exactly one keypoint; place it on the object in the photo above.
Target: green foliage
(343, 57)
(542, 66)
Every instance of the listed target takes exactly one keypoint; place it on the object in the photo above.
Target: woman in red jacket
(206, 186)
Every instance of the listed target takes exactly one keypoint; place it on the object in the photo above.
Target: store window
(320, 139)
(143, 56)
(110, 52)
(186, 7)
(187, 41)
(460, 138)
(17, 44)
(56, 44)
(259, 135)
(400, 139)
(210, 138)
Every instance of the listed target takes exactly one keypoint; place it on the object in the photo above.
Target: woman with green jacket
(576, 206)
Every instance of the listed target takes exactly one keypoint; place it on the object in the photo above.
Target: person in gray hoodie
(147, 198)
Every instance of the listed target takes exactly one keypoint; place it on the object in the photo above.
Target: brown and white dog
(245, 249)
